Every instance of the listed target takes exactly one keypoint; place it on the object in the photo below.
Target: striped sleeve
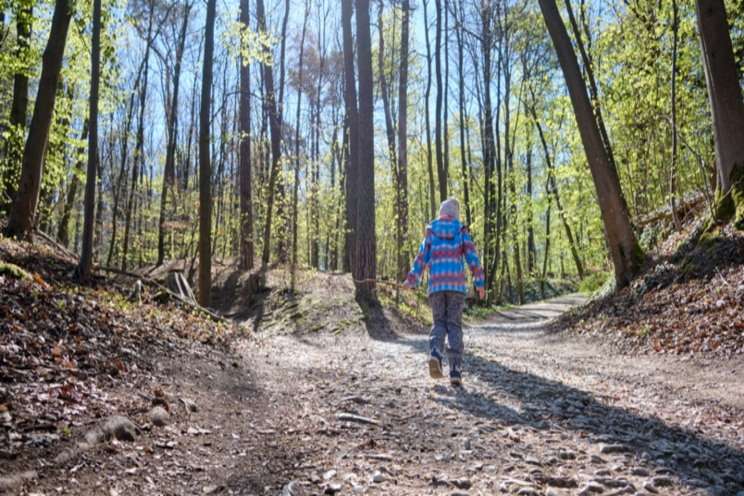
(471, 258)
(423, 259)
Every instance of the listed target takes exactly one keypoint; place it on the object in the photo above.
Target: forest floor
(313, 394)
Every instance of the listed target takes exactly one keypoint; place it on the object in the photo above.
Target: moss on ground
(13, 271)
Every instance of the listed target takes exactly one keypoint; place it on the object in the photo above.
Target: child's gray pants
(446, 309)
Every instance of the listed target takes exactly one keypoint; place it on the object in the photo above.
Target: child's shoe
(435, 365)
(455, 376)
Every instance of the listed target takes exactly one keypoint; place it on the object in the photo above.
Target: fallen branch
(156, 284)
(57, 244)
(682, 208)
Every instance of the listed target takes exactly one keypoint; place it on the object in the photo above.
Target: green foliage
(594, 282)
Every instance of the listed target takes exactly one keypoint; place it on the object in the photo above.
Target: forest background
(484, 114)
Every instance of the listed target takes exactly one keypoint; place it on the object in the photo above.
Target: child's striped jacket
(447, 241)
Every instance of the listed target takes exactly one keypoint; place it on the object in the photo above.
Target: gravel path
(539, 414)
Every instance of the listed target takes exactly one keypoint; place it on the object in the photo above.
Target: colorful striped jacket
(446, 241)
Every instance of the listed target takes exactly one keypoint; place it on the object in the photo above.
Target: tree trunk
(275, 130)
(18, 112)
(441, 174)
(727, 108)
(461, 79)
(296, 183)
(432, 190)
(402, 186)
(205, 166)
(626, 254)
(63, 235)
(26, 199)
(365, 180)
(246, 210)
(352, 118)
(672, 172)
(170, 157)
(86, 257)
(138, 158)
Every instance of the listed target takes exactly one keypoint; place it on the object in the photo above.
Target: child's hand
(406, 286)
(481, 293)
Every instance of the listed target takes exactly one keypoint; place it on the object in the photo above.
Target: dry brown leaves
(687, 301)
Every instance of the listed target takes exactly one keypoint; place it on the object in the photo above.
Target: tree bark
(672, 172)
(86, 256)
(205, 166)
(138, 157)
(246, 210)
(365, 180)
(26, 199)
(18, 111)
(170, 157)
(625, 252)
(352, 119)
(296, 183)
(275, 131)
(402, 186)
(441, 173)
(432, 190)
(63, 235)
(727, 108)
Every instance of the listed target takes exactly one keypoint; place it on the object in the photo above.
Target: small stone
(662, 481)
(462, 483)
(378, 477)
(466, 444)
(528, 491)
(358, 490)
(649, 486)
(591, 487)
(639, 472)
(158, 416)
(333, 489)
(602, 472)
(551, 492)
(597, 459)
(210, 489)
(329, 475)
(189, 405)
(613, 448)
(567, 455)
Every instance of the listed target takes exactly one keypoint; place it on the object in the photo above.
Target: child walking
(446, 243)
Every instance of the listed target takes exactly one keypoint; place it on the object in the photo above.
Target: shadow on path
(715, 467)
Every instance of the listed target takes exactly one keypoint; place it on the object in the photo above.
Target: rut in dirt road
(539, 414)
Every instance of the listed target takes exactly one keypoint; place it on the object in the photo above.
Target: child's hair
(450, 207)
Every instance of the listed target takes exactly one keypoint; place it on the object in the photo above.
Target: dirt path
(539, 414)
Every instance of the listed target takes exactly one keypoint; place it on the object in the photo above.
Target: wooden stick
(377, 281)
(156, 284)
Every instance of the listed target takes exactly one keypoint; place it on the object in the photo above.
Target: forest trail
(539, 413)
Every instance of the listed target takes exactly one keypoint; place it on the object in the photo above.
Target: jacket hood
(446, 227)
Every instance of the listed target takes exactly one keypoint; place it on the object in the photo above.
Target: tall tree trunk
(727, 108)
(352, 119)
(441, 173)
(461, 79)
(246, 210)
(275, 130)
(63, 235)
(296, 182)
(626, 254)
(18, 112)
(205, 166)
(365, 180)
(86, 257)
(170, 154)
(544, 276)
(593, 88)
(26, 199)
(138, 157)
(432, 190)
(672, 172)
(402, 186)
